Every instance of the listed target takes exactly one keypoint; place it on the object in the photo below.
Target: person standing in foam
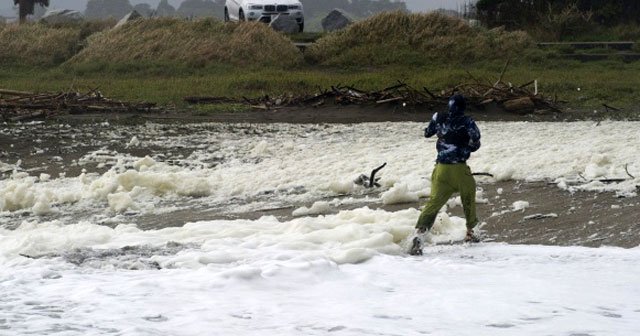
(458, 136)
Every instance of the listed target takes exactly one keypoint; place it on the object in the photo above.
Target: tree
(27, 7)
(516, 14)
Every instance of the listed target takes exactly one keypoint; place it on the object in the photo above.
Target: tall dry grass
(37, 44)
(195, 43)
(402, 38)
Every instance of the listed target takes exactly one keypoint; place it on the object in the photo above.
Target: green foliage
(560, 19)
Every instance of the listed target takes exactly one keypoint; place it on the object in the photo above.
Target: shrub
(37, 44)
(196, 43)
(392, 37)
(40, 44)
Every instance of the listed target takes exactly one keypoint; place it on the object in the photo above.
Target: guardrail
(617, 45)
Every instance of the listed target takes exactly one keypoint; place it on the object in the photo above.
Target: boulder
(285, 24)
(336, 20)
(132, 16)
(56, 16)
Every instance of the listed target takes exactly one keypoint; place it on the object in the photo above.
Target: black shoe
(471, 238)
(416, 247)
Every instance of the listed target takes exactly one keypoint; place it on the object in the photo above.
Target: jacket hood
(457, 106)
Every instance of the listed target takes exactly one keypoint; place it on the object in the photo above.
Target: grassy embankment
(164, 60)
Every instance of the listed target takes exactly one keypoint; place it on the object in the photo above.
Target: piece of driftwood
(626, 169)
(520, 105)
(371, 180)
(208, 100)
(609, 180)
(21, 106)
(541, 216)
(482, 174)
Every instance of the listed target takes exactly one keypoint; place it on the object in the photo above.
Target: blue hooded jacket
(458, 134)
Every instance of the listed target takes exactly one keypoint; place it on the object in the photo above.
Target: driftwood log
(371, 180)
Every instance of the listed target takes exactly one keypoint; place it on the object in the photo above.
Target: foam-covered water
(276, 165)
(75, 261)
(314, 276)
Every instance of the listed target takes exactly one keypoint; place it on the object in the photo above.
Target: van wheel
(241, 15)
(226, 15)
(301, 27)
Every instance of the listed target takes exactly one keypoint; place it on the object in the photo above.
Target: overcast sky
(415, 5)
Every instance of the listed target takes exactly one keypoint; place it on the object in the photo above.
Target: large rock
(134, 15)
(285, 24)
(336, 20)
(56, 16)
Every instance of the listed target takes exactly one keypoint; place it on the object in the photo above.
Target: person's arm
(431, 130)
(474, 135)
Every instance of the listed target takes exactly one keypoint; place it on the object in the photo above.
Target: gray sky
(414, 5)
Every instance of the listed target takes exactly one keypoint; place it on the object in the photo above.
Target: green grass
(609, 82)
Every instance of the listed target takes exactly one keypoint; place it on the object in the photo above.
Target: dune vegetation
(194, 43)
(165, 59)
(43, 45)
(36, 44)
(397, 37)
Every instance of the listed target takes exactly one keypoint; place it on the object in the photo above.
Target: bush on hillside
(196, 43)
(401, 38)
(37, 45)
(40, 44)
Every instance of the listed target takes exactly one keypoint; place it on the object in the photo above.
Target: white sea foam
(326, 161)
(309, 276)
(318, 208)
(343, 273)
(520, 205)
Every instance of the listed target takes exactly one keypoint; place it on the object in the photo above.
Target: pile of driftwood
(22, 106)
(512, 98)
(480, 93)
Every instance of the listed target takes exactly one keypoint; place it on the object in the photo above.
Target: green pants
(447, 179)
